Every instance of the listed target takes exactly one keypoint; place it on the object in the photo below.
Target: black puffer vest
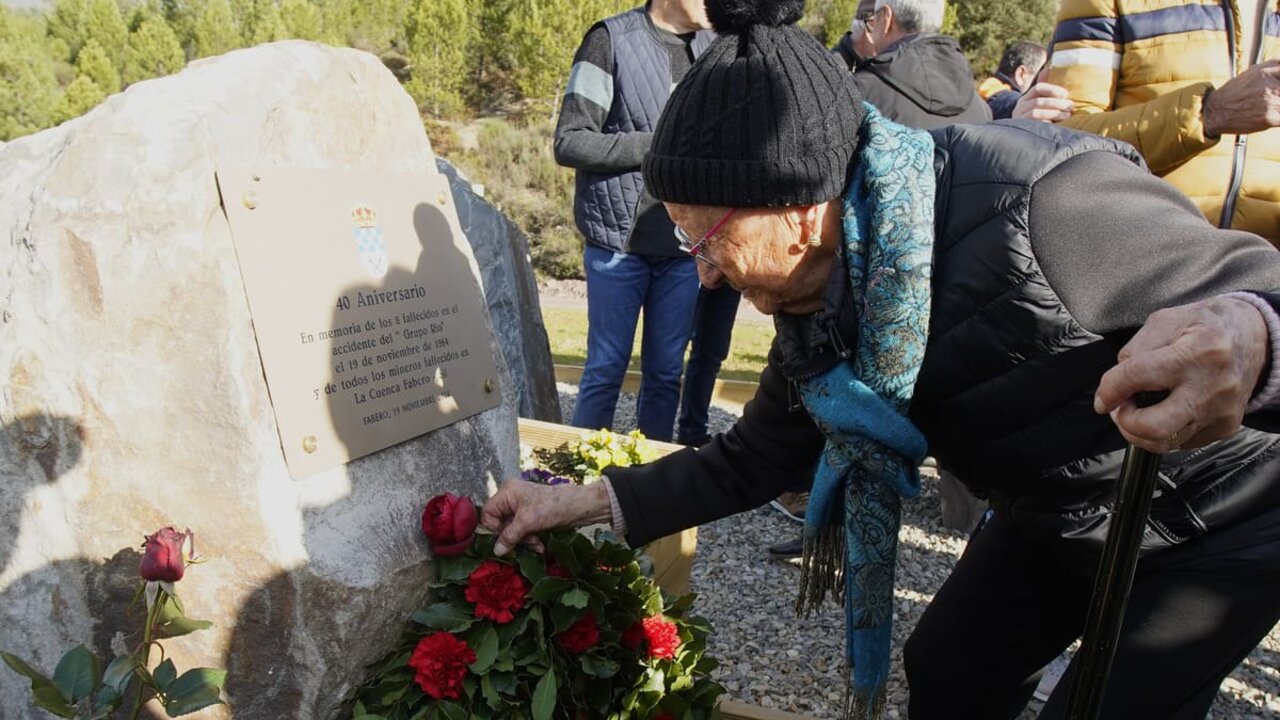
(1000, 337)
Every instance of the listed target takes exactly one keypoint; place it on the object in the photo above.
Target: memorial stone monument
(135, 394)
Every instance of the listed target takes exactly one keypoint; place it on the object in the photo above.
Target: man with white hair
(912, 74)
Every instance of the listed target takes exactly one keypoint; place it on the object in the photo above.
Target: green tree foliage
(302, 20)
(28, 83)
(375, 25)
(987, 27)
(153, 51)
(440, 36)
(66, 22)
(81, 96)
(94, 64)
(105, 25)
(269, 24)
(215, 30)
(544, 36)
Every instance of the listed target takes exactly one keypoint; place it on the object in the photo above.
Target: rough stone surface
(511, 291)
(133, 395)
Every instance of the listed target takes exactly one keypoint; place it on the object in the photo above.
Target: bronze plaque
(366, 306)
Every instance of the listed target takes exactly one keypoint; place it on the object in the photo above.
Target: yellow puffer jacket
(1138, 71)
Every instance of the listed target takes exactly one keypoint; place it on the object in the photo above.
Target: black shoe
(787, 550)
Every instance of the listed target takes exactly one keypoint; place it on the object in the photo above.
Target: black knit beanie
(765, 117)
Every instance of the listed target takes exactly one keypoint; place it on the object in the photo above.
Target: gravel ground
(773, 659)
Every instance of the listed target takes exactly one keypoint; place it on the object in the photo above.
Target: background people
(622, 74)
(830, 227)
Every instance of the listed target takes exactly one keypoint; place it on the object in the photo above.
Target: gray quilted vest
(604, 205)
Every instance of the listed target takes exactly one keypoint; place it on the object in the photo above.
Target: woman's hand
(522, 508)
(1208, 355)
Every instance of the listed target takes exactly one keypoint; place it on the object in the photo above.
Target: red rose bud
(581, 635)
(498, 591)
(449, 522)
(165, 555)
(663, 637)
(440, 663)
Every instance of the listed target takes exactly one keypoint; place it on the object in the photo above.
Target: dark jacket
(844, 50)
(922, 82)
(1037, 285)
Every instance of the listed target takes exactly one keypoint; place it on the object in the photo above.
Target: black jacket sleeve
(773, 447)
(1117, 243)
(580, 140)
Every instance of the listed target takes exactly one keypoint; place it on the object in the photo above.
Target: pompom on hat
(765, 118)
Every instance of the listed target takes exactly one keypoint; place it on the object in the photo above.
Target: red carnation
(440, 661)
(663, 637)
(498, 590)
(633, 636)
(581, 635)
(450, 523)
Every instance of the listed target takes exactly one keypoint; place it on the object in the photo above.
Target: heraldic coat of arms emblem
(369, 243)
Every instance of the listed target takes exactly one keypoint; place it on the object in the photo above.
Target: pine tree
(94, 64)
(28, 85)
(987, 27)
(81, 96)
(441, 32)
(66, 22)
(268, 24)
(302, 20)
(106, 25)
(215, 30)
(153, 51)
(544, 36)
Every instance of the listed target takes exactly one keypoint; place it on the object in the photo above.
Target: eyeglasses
(865, 17)
(688, 245)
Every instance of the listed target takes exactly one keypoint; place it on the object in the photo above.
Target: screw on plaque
(442, 199)
(309, 444)
(250, 200)
(488, 386)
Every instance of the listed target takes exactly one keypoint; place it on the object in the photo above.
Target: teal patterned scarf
(873, 451)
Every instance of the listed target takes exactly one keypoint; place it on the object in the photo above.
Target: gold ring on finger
(1172, 440)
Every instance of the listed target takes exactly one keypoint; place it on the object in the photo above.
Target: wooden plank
(542, 434)
(734, 710)
(730, 393)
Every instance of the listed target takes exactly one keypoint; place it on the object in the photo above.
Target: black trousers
(1011, 605)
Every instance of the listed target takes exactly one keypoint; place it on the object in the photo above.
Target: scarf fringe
(821, 569)
(859, 705)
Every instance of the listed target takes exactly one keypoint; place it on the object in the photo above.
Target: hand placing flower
(165, 555)
(449, 522)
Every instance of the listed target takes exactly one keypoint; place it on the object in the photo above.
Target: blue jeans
(618, 286)
(712, 329)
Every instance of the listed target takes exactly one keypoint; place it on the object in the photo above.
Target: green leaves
(43, 691)
(544, 697)
(574, 598)
(444, 616)
(486, 649)
(77, 674)
(549, 588)
(195, 689)
(171, 621)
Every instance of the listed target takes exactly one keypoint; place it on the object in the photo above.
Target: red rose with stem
(662, 635)
(440, 661)
(581, 635)
(498, 591)
(449, 522)
(165, 554)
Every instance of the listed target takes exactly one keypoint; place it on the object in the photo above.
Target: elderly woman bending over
(995, 295)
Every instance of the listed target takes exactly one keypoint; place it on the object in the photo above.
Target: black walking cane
(1115, 577)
